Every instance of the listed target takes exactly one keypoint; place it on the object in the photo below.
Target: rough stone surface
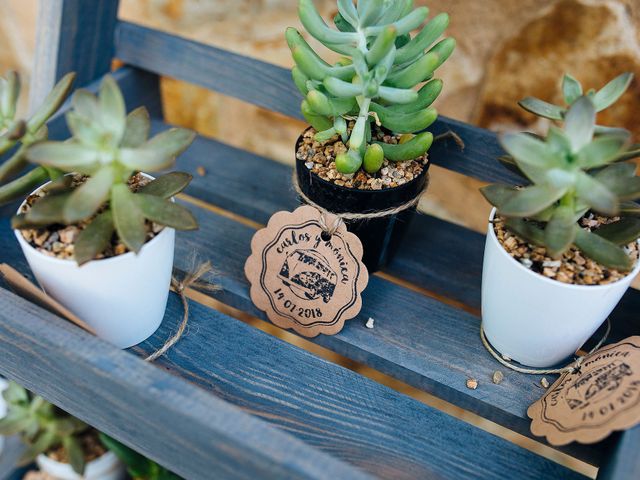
(506, 49)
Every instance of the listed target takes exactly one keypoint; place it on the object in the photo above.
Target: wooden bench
(233, 401)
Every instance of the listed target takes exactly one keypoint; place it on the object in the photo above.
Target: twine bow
(192, 279)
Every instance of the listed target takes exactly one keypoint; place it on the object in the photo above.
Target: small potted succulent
(138, 466)
(100, 236)
(62, 446)
(19, 134)
(562, 250)
(362, 152)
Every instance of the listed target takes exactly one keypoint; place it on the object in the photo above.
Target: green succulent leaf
(90, 196)
(165, 212)
(137, 464)
(75, 453)
(48, 210)
(629, 208)
(602, 151)
(527, 230)
(595, 194)
(560, 231)
(621, 180)
(571, 89)
(112, 109)
(44, 442)
(579, 123)
(622, 232)
(51, 103)
(497, 194)
(532, 156)
(612, 91)
(128, 218)
(138, 125)
(95, 238)
(602, 250)
(159, 152)
(167, 185)
(67, 156)
(531, 200)
(85, 131)
(542, 108)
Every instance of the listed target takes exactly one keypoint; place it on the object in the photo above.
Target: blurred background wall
(506, 49)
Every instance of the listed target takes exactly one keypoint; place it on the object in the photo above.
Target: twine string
(192, 279)
(347, 216)
(571, 367)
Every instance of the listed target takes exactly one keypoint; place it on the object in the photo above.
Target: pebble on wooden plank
(472, 383)
(544, 382)
(201, 171)
(369, 323)
(497, 377)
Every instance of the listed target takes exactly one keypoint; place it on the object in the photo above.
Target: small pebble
(498, 376)
(201, 171)
(544, 382)
(472, 383)
(369, 323)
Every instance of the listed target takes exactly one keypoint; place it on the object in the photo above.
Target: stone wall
(506, 49)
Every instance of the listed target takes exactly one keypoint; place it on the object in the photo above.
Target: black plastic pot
(380, 237)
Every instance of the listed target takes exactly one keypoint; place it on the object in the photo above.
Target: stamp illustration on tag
(602, 396)
(303, 278)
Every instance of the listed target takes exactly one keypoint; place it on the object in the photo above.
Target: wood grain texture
(435, 255)
(416, 339)
(328, 407)
(72, 35)
(189, 430)
(271, 87)
(624, 462)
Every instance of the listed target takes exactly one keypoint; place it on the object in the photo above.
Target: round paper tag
(588, 405)
(304, 279)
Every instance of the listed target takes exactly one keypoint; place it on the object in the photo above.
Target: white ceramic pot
(107, 467)
(535, 320)
(122, 298)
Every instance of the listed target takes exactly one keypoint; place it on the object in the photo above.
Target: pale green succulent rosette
(376, 79)
(42, 427)
(572, 171)
(109, 147)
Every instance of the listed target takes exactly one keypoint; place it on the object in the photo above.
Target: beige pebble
(472, 383)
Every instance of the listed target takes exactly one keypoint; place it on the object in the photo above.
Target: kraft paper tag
(302, 279)
(23, 287)
(603, 396)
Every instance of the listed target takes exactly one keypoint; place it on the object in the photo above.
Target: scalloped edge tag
(302, 280)
(588, 405)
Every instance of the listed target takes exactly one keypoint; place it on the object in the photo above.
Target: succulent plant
(572, 171)
(17, 135)
(109, 147)
(374, 81)
(42, 426)
(138, 466)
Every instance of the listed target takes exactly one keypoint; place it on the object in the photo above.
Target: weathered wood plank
(433, 249)
(164, 417)
(416, 339)
(331, 408)
(9, 456)
(72, 35)
(271, 87)
(624, 462)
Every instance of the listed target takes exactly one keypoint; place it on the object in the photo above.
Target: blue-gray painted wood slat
(9, 456)
(73, 35)
(624, 462)
(191, 431)
(271, 87)
(237, 190)
(328, 407)
(416, 339)
(436, 255)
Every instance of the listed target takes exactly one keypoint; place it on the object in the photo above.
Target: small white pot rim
(492, 233)
(61, 261)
